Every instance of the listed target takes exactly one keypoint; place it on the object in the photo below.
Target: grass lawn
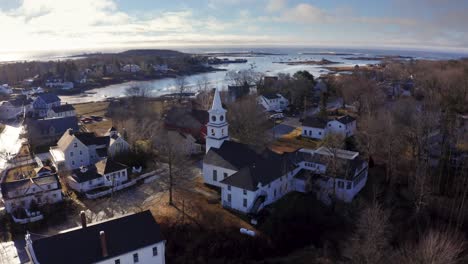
(97, 109)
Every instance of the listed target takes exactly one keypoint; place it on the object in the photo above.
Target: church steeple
(217, 127)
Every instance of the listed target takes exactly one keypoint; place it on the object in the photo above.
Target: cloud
(275, 5)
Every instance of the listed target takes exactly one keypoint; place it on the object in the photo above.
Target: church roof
(265, 169)
(231, 155)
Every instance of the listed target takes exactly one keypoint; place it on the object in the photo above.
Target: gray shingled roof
(346, 119)
(107, 166)
(63, 108)
(60, 124)
(49, 98)
(314, 121)
(82, 245)
(231, 155)
(263, 170)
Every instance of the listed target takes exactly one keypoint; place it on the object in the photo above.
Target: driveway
(287, 126)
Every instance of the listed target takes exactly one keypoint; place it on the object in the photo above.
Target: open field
(97, 109)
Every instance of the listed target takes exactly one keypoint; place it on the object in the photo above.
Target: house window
(274, 193)
(135, 258)
(73, 162)
(54, 195)
(349, 185)
(71, 153)
(225, 175)
(320, 133)
(245, 192)
(229, 187)
(155, 251)
(81, 152)
(215, 175)
(75, 145)
(117, 261)
(245, 202)
(229, 197)
(340, 185)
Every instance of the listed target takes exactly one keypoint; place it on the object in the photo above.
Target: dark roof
(60, 124)
(49, 98)
(20, 101)
(231, 155)
(106, 166)
(90, 174)
(112, 129)
(271, 96)
(82, 245)
(63, 108)
(263, 170)
(346, 119)
(314, 121)
(27, 183)
(89, 138)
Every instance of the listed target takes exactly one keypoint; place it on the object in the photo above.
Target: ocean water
(264, 64)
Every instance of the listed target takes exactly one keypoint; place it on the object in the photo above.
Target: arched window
(221, 118)
(212, 132)
(213, 118)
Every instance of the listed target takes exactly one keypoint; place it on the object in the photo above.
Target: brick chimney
(83, 219)
(102, 235)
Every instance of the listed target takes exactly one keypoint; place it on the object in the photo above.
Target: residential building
(273, 102)
(161, 68)
(43, 103)
(60, 84)
(61, 111)
(5, 89)
(78, 149)
(186, 143)
(15, 107)
(24, 197)
(133, 68)
(317, 127)
(47, 131)
(117, 144)
(187, 120)
(105, 173)
(134, 238)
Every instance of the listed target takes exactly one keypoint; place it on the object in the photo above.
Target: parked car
(96, 118)
(277, 116)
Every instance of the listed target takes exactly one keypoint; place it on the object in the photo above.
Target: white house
(161, 68)
(77, 149)
(61, 111)
(14, 108)
(134, 238)
(105, 173)
(273, 102)
(250, 179)
(117, 144)
(131, 68)
(60, 84)
(186, 143)
(44, 102)
(5, 89)
(21, 194)
(318, 128)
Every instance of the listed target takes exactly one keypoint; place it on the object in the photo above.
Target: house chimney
(83, 219)
(83, 169)
(102, 235)
(70, 131)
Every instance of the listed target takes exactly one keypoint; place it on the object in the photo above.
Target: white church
(251, 179)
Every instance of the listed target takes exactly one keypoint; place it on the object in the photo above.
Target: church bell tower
(217, 127)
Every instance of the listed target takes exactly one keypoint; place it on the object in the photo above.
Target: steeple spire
(217, 101)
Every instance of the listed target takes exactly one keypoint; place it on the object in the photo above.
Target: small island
(379, 58)
(309, 62)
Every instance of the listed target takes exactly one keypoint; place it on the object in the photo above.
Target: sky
(53, 25)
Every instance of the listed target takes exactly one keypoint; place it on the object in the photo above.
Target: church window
(212, 132)
(215, 175)
(245, 202)
(221, 118)
(213, 118)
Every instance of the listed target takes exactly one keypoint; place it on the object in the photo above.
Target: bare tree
(138, 91)
(370, 240)
(247, 122)
(168, 151)
(437, 247)
(180, 84)
(204, 97)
